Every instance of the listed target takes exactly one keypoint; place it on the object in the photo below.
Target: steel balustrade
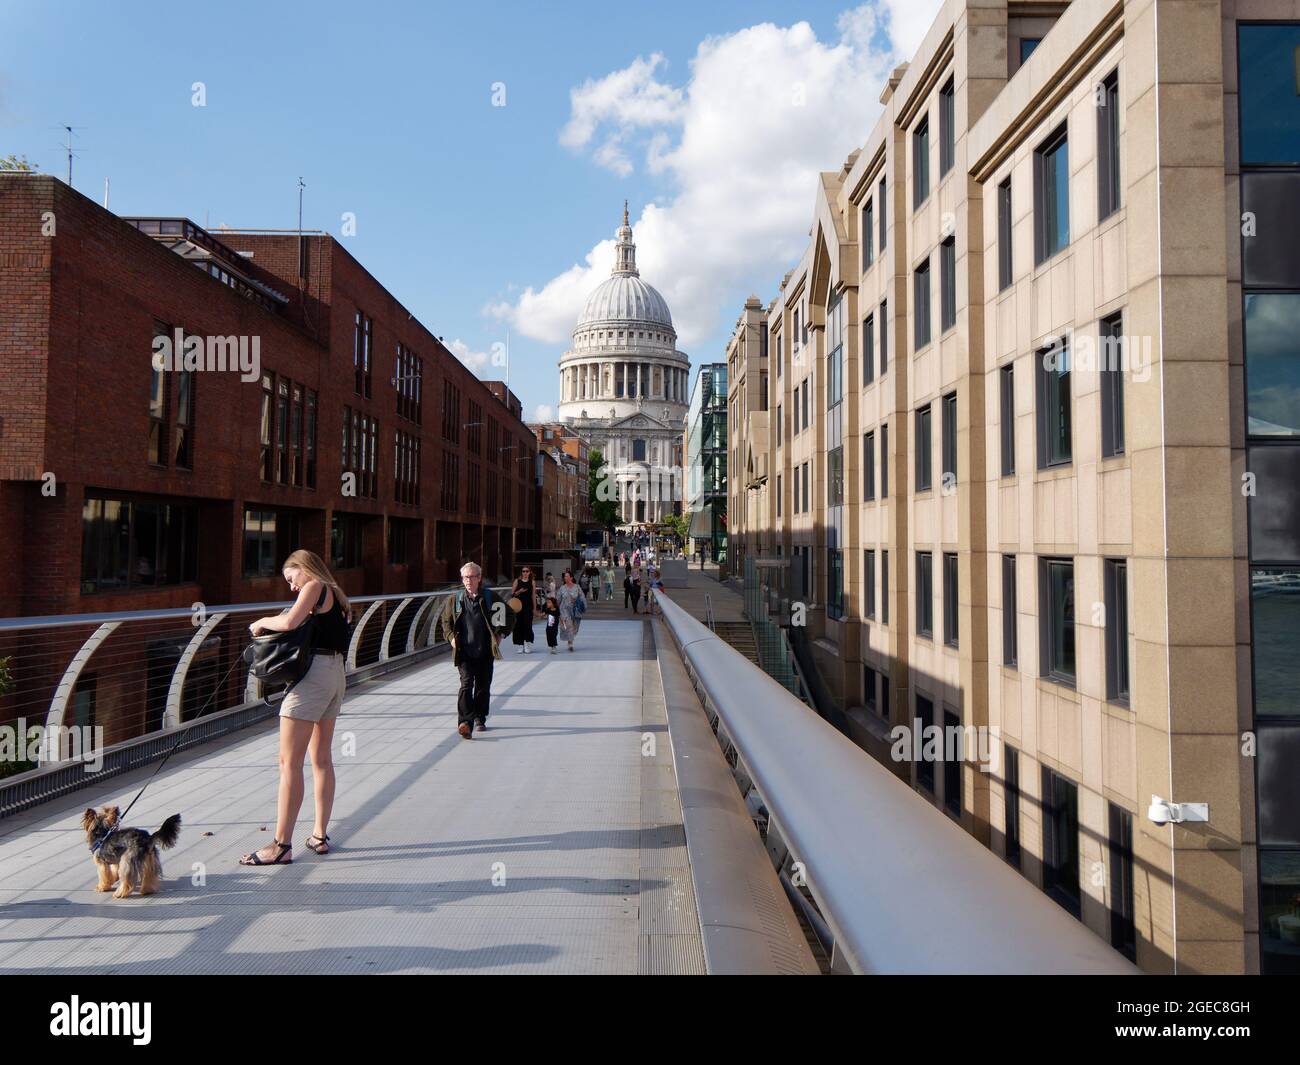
(119, 648)
(902, 887)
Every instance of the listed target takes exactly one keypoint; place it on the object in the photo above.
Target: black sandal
(320, 848)
(279, 858)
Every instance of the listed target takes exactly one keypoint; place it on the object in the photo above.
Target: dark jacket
(451, 617)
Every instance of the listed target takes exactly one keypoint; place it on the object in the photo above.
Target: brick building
(347, 427)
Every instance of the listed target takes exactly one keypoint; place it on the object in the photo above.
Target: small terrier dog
(129, 855)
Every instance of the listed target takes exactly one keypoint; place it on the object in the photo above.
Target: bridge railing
(90, 695)
(901, 887)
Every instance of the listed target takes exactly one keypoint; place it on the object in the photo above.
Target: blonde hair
(311, 564)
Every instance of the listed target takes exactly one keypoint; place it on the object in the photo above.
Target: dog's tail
(166, 836)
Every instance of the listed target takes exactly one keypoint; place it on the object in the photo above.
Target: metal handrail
(903, 888)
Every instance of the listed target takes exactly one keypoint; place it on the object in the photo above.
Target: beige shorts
(319, 695)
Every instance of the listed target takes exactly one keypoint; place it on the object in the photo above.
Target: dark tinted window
(1004, 234)
(921, 297)
(1279, 786)
(1270, 252)
(1275, 624)
(1275, 506)
(1272, 322)
(1056, 607)
(1268, 104)
(921, 163)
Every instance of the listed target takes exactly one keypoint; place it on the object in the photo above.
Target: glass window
(1268, 101)
(1061, 840)
(881, 200)
(1275, 506)
(884, 587)
(834, 583)
(952, 766)
(1052, 196)
(1116, 591)
(1007, 419)
(923, 459)
(868, 235)
(924, 767)
(868, 350)
(1270, 253)
(1272, 326)
(950, 615)
(949, 441)
(1010, 648)
(1052, 370)
(1011, 803)
(1056, 609)
(157, 451)
(924, 593)
(136, 543)
(345, 540)
(921, 324)
(835, 477)
(1004, 234)
(1279, 786)
(184, 454)
(869, 582)
(884, 336)
(1110, 365)
(947, 284)
(869, 466)
(1275, 624)
(1108, 147)
(884, 460)
(1027, 46)
(947, 128)
(1279, 875)
(1123, 935)
(920, 163)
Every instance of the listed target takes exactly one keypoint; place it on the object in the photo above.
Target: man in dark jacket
(468, 623)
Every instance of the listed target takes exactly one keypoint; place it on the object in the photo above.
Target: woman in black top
(310, 710)
(524, 591)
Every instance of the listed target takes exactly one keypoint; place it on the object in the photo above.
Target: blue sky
(478, 218)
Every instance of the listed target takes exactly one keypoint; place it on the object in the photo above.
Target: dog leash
(179, 740)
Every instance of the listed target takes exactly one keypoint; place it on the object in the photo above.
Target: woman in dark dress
(523, 590)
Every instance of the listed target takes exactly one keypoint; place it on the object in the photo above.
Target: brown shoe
(481, 725)
(464, 730)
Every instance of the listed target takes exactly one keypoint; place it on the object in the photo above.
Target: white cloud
(544, 412)
(477, 361)
(741, 143)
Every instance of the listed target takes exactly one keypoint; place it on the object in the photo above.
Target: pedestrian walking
(467, 622)
(310, 710)
(524, 590)
(552, 623)
(636, 589)
(609, 583)
(627, 586)
(572, 604)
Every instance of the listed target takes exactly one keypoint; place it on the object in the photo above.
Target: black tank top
(332, 628)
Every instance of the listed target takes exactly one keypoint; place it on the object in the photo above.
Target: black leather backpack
(284, 657)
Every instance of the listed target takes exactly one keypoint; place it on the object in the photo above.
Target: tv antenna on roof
(69, 130)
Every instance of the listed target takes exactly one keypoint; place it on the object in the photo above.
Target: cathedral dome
(623, 297)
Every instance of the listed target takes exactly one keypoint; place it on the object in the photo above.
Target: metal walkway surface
(549, 844)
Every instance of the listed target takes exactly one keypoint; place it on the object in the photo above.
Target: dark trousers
(475, 689)
(552, 634)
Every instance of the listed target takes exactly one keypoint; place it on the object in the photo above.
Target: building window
(869, 582)
(835, 356)
(947, 128)
(923, 459)
(884, 336)
(884, 587)
(778, 495)
(835, 477)
(1123, 933)
(311, 438)
(1051, 196)
(267, 462)
(450, 480)
(403, 541)
(806, 495)
(952, 765)
(409, 384)
(947, 284)
(869, 467)
(184, 453)
(282, 474)
(1052, 371)
(1108, 147)
(359, 447)
(834, 583)
(1061, 840)
(798, 343)
(780, 428)
(474, 428)
(127, 544)
(884, 460)
(1010, 648)
(868, 350)
(1004, 234)
(1007, 419)
(1272, 322)
(361, 339)
(406, 469)
(1275, 631)
(1011, 803)
(1027, 46)
(1116, 591)
(921, 290)
(450, 412)
(158, 403)
(924, 767)
(920, 163)
(924, 594)
(950, 621)
(949, 439)
(345, 540)
(807, 385)
(270, 536)
(868, 235)
(881, 200)
(1111, 366)
(1056, 610)
(295, 437)
(869, 689)
(1269, 107)
(638, 451)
